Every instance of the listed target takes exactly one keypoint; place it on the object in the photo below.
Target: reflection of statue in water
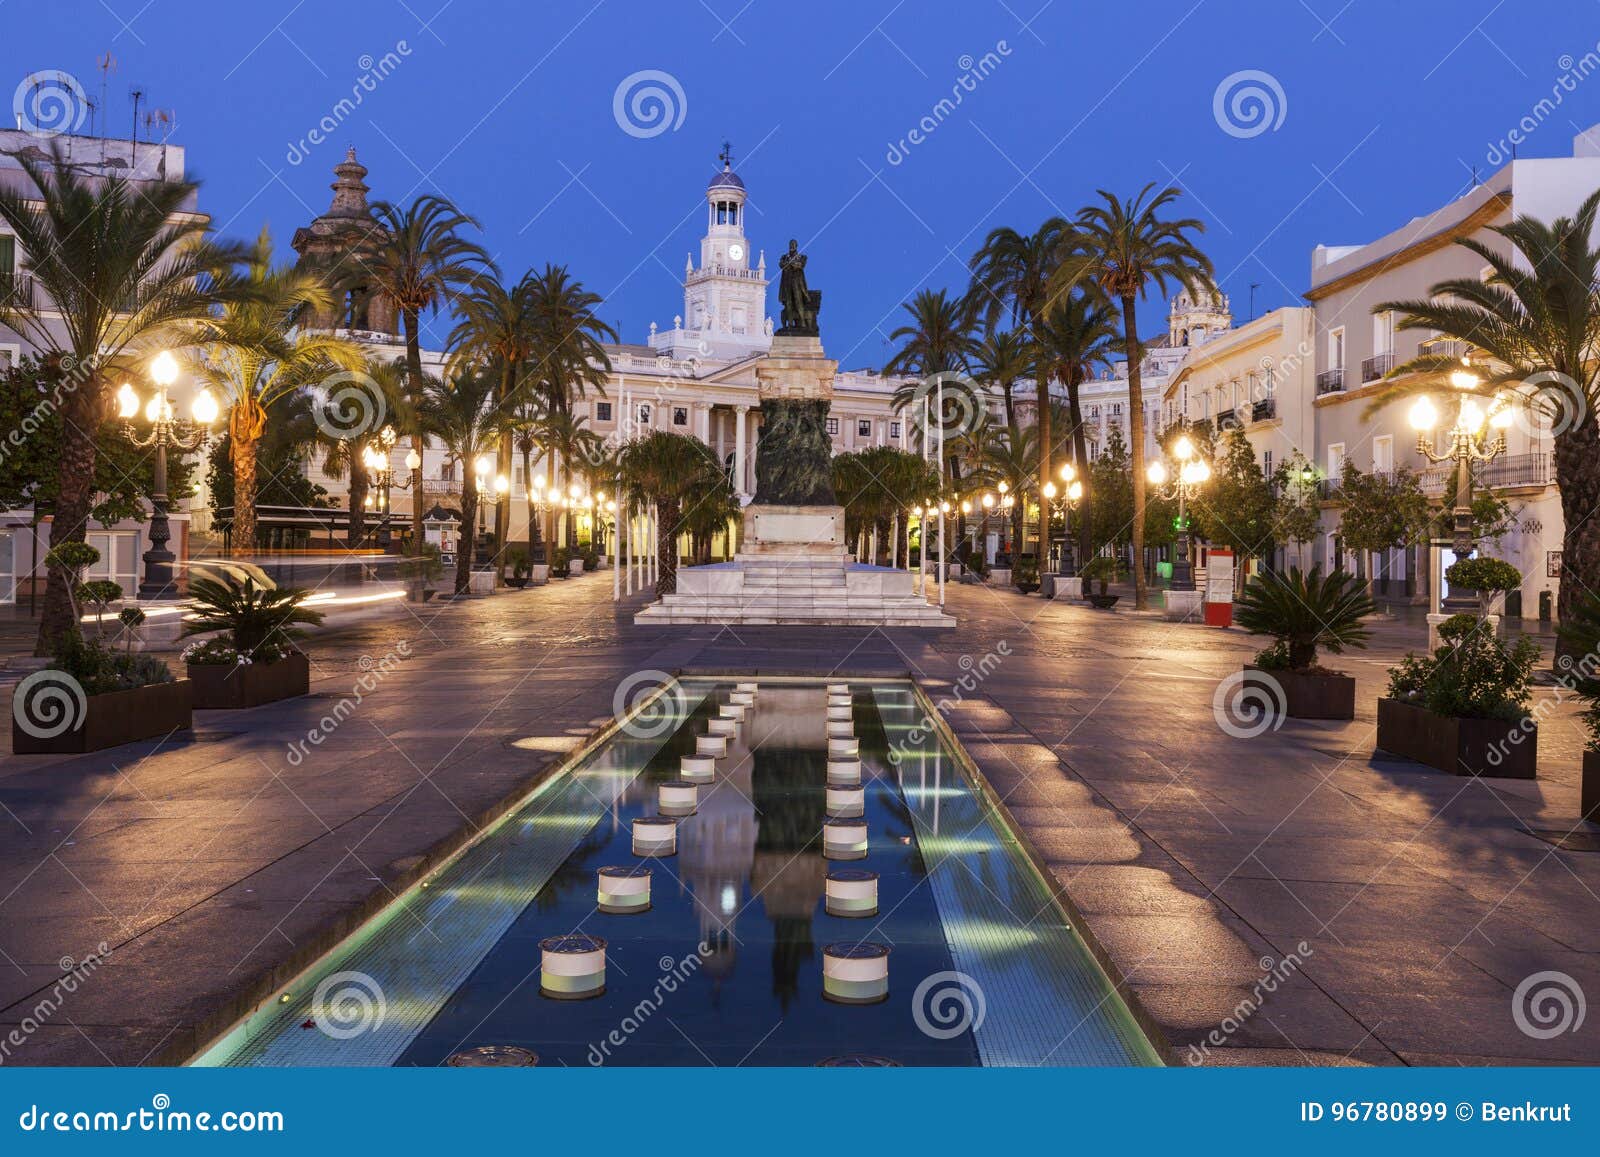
(797, 301)
(788, 788)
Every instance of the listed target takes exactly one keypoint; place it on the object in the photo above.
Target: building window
(1336, 348)
(1335, 459)
(602, 411)
(864, 428)
(447, 470)
(644, 414)
(1383, 454)
(1266, 464)
(833, 425)
(894, 429)
(680, 415)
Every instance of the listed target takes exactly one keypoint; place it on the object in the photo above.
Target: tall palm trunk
(666, 545)
(467, 547)
(1130, 331)
(81, 415)
(502, 510)
(409, 318)
(1011, 406)
(535, 541)
(1578, 478)
(1080, 459)
(244, 447)
(360, 483)
(1042, 391)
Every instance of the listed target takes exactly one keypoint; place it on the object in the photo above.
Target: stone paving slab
(1189, 858)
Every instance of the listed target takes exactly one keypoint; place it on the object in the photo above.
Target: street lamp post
(165, 430)
(376, 458)
(1192, 473)
(1067, 564)
(1468, 442)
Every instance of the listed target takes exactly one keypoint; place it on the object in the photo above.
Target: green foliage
(1025, 572)
(1104, 569)
(100, 670)
(1111, 483)
(1236, 506)
(1483, 574)
(1580, 663)
(875, 484)
(1304, 610)
(517, 558)
(422, 564)
(1381, 511)
(102, 592)
(1471, 675)
(72, 557)
(261, 622)
(131, 617)
(1298, 515)
(280, 470)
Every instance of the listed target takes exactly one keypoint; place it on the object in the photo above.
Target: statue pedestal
(771, 529)
(796, 369)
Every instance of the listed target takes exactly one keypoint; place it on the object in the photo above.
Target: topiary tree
(69, 560)
(1487, 576)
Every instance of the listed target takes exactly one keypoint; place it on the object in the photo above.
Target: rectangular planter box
(1308, 696)
(1589, 807)
(219, 688)
(115, 718)
(1459, 746)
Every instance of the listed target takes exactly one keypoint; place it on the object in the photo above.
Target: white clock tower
(725, 299)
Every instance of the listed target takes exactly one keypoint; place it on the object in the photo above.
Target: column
(702, 422)
(739, 482)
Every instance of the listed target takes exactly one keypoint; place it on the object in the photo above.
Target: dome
(727, 179)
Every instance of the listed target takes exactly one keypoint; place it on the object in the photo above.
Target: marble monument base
(793, 568)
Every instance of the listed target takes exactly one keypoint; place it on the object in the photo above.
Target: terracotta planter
(222, 688)
(1589, 807)
(1487, 747)
(1308, 696)
(117, 717)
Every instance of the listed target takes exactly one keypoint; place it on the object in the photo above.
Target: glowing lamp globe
(164, 368)
(1156, 472)
(1423, 416)
(127, 401)
(204, 408)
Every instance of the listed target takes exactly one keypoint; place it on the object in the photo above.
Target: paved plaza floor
(1280, 898)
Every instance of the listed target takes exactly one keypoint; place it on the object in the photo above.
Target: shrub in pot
(591, 561)
(252, 660)
(92, 697)
(1486, 577)
(559, 558)
(1025, 575)
(1101, 570)
(1463, 709)
(1303, 611)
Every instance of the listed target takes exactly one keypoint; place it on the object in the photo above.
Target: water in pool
(744, 951)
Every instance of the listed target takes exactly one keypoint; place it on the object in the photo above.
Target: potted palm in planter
(1303, 611)
(1463, 709)
(1025, 575)
(251, 659)
(520, 569)
(92, 696)
(1101, 570)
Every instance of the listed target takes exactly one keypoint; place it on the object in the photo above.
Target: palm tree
(1011, 457)
(1011, 272)
(1002, 359)
(496, 326)
(1120, 248)
(937, 339)
(528, 412)
(667, 468)
(879, 486)
(421, 260)
(464, 415)
(569, 353)
(566, 440)
(341, 454)
(1537, 316)
(255, 355)
(110, 271)
(1073, 337)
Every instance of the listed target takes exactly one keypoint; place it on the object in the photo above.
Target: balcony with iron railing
(1507, 472)
(1227, 418)
(1376, 367)
(1264, 410)
(1444, 347)
(1330, 381)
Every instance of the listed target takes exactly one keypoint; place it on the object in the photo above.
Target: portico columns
(739, 485)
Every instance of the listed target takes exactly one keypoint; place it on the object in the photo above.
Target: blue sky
(507, 108)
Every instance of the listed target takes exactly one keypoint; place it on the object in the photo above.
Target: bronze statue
(799, 305)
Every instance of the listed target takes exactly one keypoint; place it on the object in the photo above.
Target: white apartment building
(1355, 348)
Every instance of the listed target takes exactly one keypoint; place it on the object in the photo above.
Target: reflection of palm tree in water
(788, 789)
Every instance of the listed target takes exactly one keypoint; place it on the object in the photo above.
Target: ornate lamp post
(539, 502)
(376, 458)
(987, 502)
(165, 430)
(1067, 564)
(1468, 441)
(1192, 474)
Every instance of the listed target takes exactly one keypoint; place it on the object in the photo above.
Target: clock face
(736, 251)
